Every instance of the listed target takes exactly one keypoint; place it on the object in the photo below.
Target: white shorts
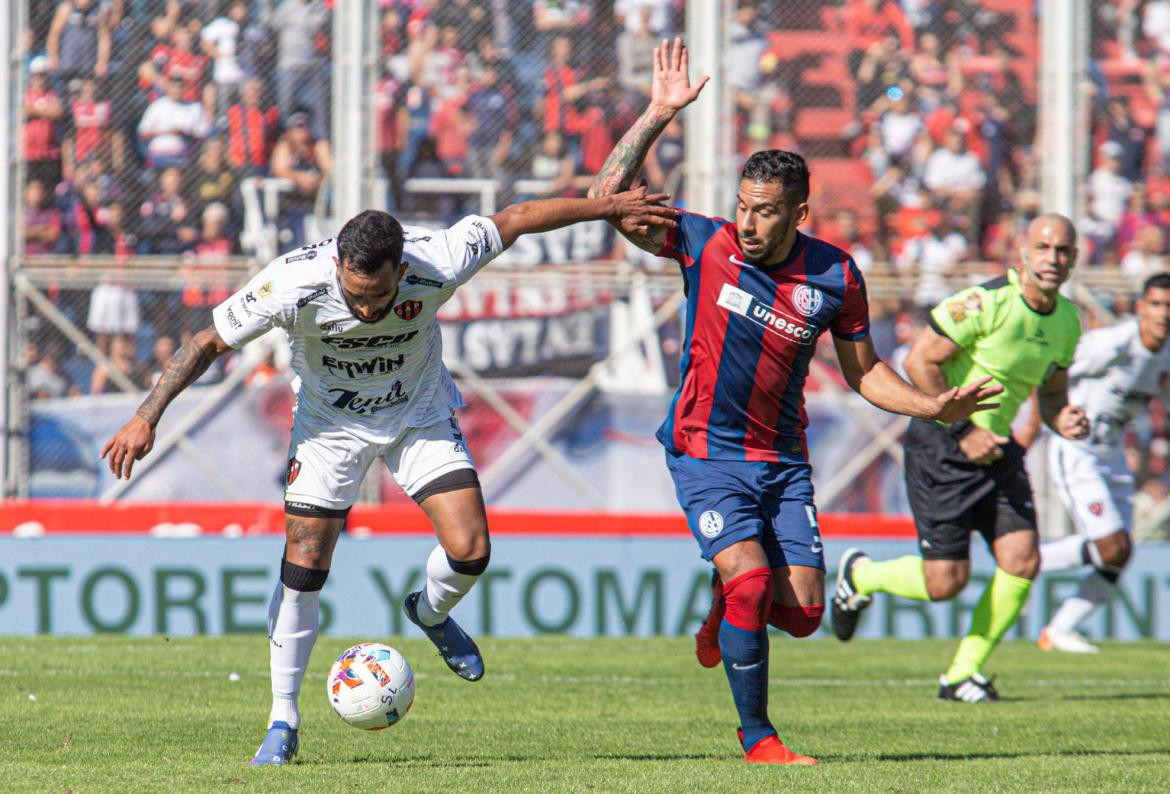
(326, 463)
(112, 310)
(1097, 492)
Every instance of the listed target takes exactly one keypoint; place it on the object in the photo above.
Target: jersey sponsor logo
(408, 310)
(294, 468)
(312, 296)
(355, 402)
(478, 241)
(424, 239)
(807, 300)
(332, 327)
(265, 290)
(735, 260)
(743, 304)
(361, 342)
(378, 365)
(288, 260)
(423, 282)
(710, 523)
(231, 318)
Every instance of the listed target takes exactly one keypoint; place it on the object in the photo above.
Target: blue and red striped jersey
(750, 334)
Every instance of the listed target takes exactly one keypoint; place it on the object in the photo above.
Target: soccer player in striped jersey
(759, 295)
(1115, 374)
(969, 476)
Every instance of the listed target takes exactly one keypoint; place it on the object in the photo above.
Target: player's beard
(381, 315)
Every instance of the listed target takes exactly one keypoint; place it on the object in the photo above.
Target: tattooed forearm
(627, 156)
(188, 364)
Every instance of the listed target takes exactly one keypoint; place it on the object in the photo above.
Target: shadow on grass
(994, 756)
(1126, 696)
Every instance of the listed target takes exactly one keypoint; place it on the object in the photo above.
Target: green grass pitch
(119, 714)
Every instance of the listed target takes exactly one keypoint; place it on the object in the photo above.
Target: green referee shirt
(1000, 335)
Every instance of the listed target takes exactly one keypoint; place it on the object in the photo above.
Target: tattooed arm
(136, 438)
(670, 92)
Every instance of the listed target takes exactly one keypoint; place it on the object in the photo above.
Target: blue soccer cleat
(457, 649)
(279, 746)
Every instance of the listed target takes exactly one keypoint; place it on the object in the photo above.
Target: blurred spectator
(563, 89)
(935, 255)
(251, 130)
(221, 40)
(86, 222)
(555, 18)
(113, 308)
(493, 118)
(161, 354)
(847, 236)
(1128, 135)
(1108, 192)
(78, 44)
(652, 15)
(91, 130)
(1148, 257)
(417, 106)
(867, 22)
(471, 20)
(1157, 87)
(170, 127)
(164, 219)
(391, 121)
(451, 126)
(1138, 215)
(302, 74)
(210, 178)
(554, 164)
(44, 379)
(635, 50)
(42, 224)
(307, 162)
(1156, 24)
(179, 60)
(204, 275)
(42, 139)
(955, 174)
(122, 359)
(901, 125)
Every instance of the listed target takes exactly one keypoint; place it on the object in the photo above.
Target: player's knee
(749, 597)
(1114, 551)
(1025, 565)
(946, 587)
(468, 546)
(800, 621)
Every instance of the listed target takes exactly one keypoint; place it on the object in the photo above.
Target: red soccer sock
(797, 621)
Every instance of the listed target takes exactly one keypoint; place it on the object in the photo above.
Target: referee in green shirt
(970, 476)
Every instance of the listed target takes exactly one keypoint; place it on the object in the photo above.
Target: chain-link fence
(170, 147)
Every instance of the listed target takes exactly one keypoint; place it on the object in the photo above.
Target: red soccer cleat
(770, 750)
(707, 638)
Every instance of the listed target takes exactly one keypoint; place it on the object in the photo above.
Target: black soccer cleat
(975, 689)
(848, 604)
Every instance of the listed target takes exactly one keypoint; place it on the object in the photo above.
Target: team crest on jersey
(807, 300)
(1096, 508)
(710, 523)
(408, 310)
(294, 468)
(265, 289)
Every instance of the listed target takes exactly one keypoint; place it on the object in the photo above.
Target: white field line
(619, 680)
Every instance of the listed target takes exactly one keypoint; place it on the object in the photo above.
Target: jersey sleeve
(1097, 351)
(455, 254)
(685, 242)
(962, 317)
(852, 321)
(254, 310)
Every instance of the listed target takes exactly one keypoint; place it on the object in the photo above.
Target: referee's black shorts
(951, 497)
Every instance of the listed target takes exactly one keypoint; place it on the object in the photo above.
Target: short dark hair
(1156, 281)
(368, 240)
(776, 165)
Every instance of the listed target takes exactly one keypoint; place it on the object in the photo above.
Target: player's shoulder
(308, 268)
(1066, 314)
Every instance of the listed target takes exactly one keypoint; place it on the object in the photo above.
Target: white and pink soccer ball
(371, 686)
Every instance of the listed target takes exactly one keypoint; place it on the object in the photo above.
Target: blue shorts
(727, 501)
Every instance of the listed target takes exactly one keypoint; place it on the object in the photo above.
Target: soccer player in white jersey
(1117, 370)
(359, 312)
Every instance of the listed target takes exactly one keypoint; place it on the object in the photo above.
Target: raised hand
(129, 444)
(671, 87)
(638, 212)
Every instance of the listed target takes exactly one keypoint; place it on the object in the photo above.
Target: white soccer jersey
(1113, 377)
(373, 378)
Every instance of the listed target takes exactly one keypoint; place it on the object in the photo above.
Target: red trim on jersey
(777, 355)
(692, 412)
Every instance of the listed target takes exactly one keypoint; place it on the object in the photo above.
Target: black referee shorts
(951, 497)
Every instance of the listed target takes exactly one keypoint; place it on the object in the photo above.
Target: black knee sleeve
(305, 580)
(470, 567)
(1108, 573)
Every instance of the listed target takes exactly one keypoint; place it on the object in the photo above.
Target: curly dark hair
(369, 240)
(776, 165)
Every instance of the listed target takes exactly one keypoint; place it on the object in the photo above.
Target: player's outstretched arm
(670, 92)
(136, 437)
(632, 211)
(1064, 419)
(873, 379)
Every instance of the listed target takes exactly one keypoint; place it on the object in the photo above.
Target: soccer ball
(371, 686)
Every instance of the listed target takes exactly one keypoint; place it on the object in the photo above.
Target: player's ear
(801, 213)
(402, 269)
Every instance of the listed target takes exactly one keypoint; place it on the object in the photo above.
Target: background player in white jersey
(1117, 370)
(359, 312)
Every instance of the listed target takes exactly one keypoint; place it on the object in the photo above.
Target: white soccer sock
(1093, 592)
(444, 589)
(293, 618)
(1060, 555)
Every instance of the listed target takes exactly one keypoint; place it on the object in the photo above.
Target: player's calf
(707, 637)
